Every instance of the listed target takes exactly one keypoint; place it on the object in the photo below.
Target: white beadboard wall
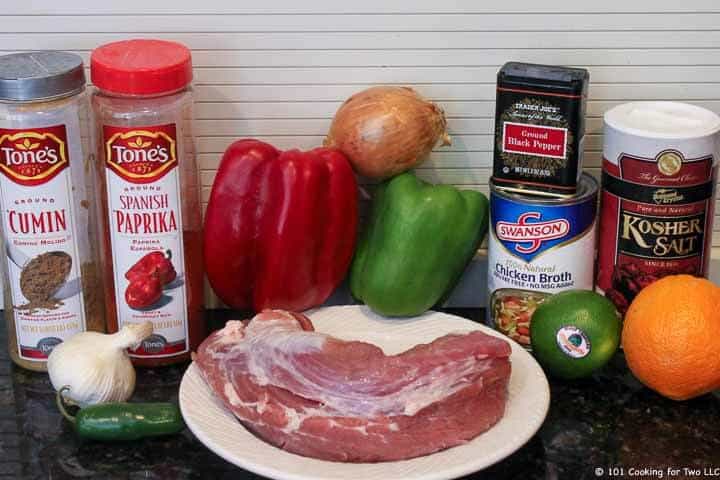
(278, 69)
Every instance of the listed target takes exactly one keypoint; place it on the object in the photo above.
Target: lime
(575, 333)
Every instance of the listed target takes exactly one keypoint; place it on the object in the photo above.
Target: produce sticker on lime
(573, 341)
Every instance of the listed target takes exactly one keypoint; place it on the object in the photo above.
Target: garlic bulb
(96, 366)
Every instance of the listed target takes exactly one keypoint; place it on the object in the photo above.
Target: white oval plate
(528, 402)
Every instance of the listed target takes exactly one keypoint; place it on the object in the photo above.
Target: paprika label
(40, 238)
(145, 218)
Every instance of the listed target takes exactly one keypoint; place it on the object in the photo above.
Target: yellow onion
(385, 131)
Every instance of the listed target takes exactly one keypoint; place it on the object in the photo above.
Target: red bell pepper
(143, 291)
(155, 263)
(280, 227)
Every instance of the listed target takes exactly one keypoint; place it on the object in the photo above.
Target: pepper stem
(59, 400)
(168, 254)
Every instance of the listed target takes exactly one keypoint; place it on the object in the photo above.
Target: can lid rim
(588, 187)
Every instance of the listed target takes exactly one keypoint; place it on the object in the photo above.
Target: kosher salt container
(50, 258)
(658, 195)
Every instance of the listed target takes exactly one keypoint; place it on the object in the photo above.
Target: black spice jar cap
(551, 77)
(36, 76)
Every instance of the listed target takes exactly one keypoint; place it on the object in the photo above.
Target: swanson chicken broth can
(657, 202)
(537, 246)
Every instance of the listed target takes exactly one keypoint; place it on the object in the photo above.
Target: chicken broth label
(534, 249)
(145, 222)
(656, 220)
(38, 224)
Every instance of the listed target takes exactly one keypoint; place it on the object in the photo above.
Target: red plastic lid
(141, 67)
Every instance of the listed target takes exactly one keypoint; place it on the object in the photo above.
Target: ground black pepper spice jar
(539, 130)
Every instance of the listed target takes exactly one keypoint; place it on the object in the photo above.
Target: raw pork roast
(322, 397)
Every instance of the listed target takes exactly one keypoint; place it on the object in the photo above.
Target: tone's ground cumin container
(539, 129)
(657, 204)
(537, 246)
(50, 261)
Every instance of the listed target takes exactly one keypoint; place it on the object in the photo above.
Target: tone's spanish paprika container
(149, 193)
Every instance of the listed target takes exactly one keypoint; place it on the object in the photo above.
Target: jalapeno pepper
(123, 421)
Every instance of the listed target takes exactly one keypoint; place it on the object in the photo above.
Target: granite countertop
(609, 422)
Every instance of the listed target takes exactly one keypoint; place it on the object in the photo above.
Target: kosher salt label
(145, 220)
(539, 128)
(39, 230)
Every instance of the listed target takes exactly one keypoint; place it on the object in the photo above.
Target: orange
(669, 336)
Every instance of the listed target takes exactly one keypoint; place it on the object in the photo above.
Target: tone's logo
(528, 233)
(141, 155)
(32, 157)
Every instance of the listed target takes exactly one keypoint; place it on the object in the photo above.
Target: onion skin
(385, 131)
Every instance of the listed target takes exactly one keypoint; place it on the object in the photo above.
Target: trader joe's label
(40, 239)
(538, 140)
(143, 190)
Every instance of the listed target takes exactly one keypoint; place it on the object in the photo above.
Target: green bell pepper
(419, 239)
